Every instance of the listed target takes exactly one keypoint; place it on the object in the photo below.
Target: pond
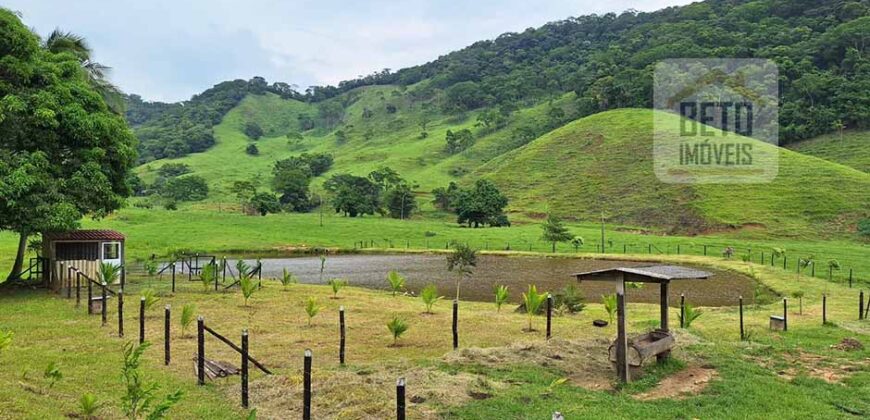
(548, 274)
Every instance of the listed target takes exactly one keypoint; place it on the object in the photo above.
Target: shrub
(337, 285)
(187, 188)
(52, 374)
(501, 296)
(569, 299)
(253, 130)
(429, 295)
(609, 302)
(150, 267)
(139, 398)
(864, 227)
(533, 300)
(88, 405)
(252, 150)
(187, 314)
(397, 327)
(170, 170)
(311, 308)
(397, 282)
(108, 273)
(691, 315)
(288, 278)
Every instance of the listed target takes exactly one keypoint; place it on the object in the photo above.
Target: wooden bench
(645, 346)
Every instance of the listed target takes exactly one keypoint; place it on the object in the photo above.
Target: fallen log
(216, 369)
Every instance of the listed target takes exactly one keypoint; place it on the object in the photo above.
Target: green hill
(604, 163)
(852, 149)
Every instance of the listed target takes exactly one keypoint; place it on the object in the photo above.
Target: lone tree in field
(481, 205)
(555, 231)
(64, 154)
(461, 261)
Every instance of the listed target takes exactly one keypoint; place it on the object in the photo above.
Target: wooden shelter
(83, 249)
(658, 342)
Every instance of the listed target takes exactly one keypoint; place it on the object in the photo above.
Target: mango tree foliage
(63, 153)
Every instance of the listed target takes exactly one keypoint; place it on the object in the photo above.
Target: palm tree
(59, 42)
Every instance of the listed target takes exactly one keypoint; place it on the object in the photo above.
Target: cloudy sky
(169, 50)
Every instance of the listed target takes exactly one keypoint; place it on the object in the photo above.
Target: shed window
(111, 250)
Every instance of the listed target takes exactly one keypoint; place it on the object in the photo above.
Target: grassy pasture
(500, 371)
(850, 150)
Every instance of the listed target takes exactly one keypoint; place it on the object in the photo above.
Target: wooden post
(104, 310)
(549, 315)
(705, 250)
(68, 281)
(456, 324)
(850, 278)
(762, 257)
(306, 386)
(142, 320)
(824, 309)
(90, 297)
(861, 305)
(621, 339)
(120, 312)
(173, 277)
(785, 314)
(341, 340)
(664, 306)
(123, 276)
(245, 369)
(224, 266)
(400, 399)
(166, 338)
(678, 249)
(785, 262)
(78, 290)
(742, 334)
(682, 310)
(200, 351)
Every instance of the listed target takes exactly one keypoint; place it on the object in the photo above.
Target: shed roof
(654, 273)
(85, 235)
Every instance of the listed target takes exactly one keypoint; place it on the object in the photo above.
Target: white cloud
(170, 49)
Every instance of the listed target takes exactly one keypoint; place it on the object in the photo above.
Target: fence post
(142, 320)
(785, 314)
(824, 309)
(105, 305)
(740, 300)
(784, 262)
(173, 277)
(68, 282)
(678, 249)
(341, 341)
(682, 310)
(123, 276)
(120, 312)
(861, 305)
(456, 324)
(705, 250)
(245, 368)
(78, 290)
(166, 337)
(90, 297)
(200, 351)
(306, 383)
(549, 315)
(621, 341)
(224, 264)
(400, 399)
(850, 278)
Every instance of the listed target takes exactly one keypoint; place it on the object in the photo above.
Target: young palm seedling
(501, 296)
(88, 405)
(397, 327)
(533, 300)
(187, 316)
(108, 273)
(691, 315)
(311, 308)
(207, 275)
(288, 278)
(609, 302)
(248, 286)
(336, 285)
(429, 295)
(397, 282)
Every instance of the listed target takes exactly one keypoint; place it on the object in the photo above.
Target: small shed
(661, 274)
(83, 249)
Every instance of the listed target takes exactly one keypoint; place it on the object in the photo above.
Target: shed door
(110, 252)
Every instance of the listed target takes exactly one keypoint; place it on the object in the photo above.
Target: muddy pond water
(548, 274)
